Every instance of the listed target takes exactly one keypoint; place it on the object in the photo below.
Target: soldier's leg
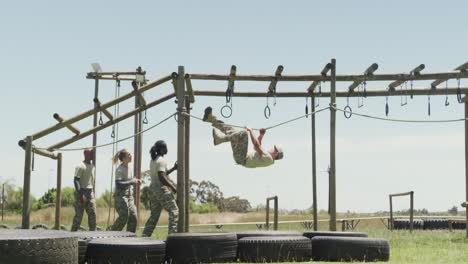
(156, 208)
(132, 215)
(122, 210)
(170, 206)
(91, 211)
(240, 146)
(79, 209)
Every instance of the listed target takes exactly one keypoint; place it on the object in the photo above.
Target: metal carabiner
(145, 119)
(446, 94)
(459, 94)
(101, 122)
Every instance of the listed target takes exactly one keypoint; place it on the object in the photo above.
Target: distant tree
(235, 204)
(14, 197)
(453, 210)
(68, 196)
(105, 200)
(208, 192)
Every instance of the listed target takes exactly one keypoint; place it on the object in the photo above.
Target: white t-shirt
(156, 166)
(85, 172)
(254, 160)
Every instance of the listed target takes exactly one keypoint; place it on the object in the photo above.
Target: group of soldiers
(162, 189)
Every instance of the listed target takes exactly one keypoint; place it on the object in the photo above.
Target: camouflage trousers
(239, 140)
(126, 209)
(89, 206)
(161, 198)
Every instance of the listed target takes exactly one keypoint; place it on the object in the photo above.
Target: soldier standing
(84, 194)
(162, 190)
(123, 195)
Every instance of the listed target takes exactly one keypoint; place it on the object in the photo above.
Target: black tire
(312, 234)
(2, 226)
(404, 224)
(274, 249)
(37, 246)
(126, 250)
(350, 249)
(40, 226)
(63, 228)
(431, 224)
(255, 233)
(84, 237)
(201, 247)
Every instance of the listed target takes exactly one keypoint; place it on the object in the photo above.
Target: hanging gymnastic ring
(348, 112)
(229, 113)
(267, 112)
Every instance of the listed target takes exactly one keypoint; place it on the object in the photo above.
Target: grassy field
(405, 247)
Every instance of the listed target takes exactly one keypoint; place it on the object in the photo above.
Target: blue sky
(47, 48)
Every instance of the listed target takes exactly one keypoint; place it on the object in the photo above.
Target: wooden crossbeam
(368, 72)
(188, 85)
(400, 194)
(111, 78)
(69, 126)
(141, 99)
(416, 72)
(41, 152)
(116, 73)
(103, 110)
(463, 67)
(324, 72)
(437, 82)
(232, 73)
(88, 113)
(111, 122)
(272, 86)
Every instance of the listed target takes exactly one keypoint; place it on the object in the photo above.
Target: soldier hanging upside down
(240, 143)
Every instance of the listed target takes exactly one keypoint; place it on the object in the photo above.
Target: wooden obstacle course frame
(411, 194)
(275, 212)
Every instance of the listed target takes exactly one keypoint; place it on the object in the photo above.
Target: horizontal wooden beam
(116, 73)
(109, 123)
(88, 113)
(41, 152)
(70, 127)
(401, 194)
(111, 78)
(369, 93)
(340, 78)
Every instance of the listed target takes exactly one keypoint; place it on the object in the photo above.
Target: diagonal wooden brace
(69, 126)
(103, 110)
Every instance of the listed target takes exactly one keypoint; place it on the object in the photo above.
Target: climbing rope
(270, 127)
(117, 141)
(403, 120)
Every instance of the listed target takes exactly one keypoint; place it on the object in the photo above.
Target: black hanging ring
(267, 112)
(348, 112)
(387, 109)
(226, 111)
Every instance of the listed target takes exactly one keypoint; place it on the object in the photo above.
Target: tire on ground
(84, 237)
(38, 246)
(274, 249)
(126, 250)
(201, 247)
(312, 234)
(350, 249)
(3, 226)
(256, 233)
(40, 226)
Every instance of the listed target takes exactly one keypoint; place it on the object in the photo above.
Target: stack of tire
(432, 224)
(404, 224)
(426, 224)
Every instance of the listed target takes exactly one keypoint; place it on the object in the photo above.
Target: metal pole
(411, 210)
(466, 162)
(58, 197)
(333, 147)
(187, 167)
(95, 123)
(27, 182)
(390, 225)
(314, 166)
(181, 148)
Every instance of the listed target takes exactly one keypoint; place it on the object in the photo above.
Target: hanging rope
(404, 120)
(459, 94)
(270, 127)
(117, 141)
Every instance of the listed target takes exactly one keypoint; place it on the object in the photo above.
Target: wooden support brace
(393, 85)
(463, 67)
(316, 82)
(272, 86)
(69, 126)
(232, 74)
(188, 84)
(417, 71)
(326, 69)
(368, 72)
(174, 81)
(141, 99)
(437, 82)
(103, 110)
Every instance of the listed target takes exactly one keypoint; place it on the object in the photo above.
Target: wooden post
(95, 123)
(187, 166)
(333, 147)
(267, 220)
(58, 196)
(275, 219)
(3, 198)
(411, 210)
(137, 151)
(390, 225)
(181, 148)
(466, 162)
(314, 165)
(27, 182)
